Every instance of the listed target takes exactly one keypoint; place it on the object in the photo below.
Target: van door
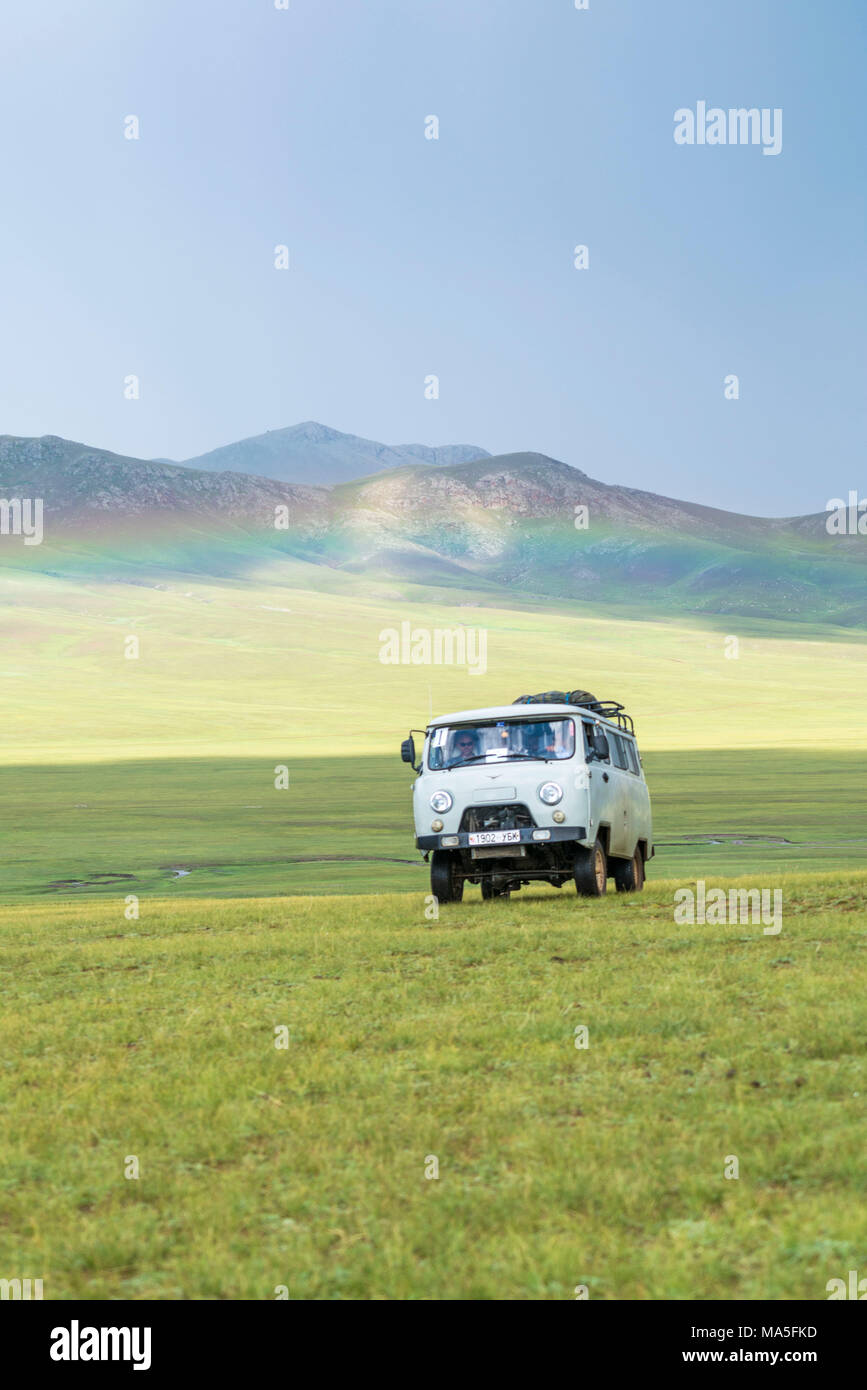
(639, 800)
(623, 840)
(606, 793)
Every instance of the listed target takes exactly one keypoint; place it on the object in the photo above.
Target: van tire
(446, 883)
(629, 873)
(490, 891)
(590, 871)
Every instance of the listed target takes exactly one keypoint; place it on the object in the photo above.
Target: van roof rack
(611, 710)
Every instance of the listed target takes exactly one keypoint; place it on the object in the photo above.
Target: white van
(544, 789)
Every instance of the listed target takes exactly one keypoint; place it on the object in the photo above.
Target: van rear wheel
(446, 882)
(629, 873)
(591, 871)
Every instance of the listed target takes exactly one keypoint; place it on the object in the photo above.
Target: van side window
(589, 742)
(633, 756)
(619, 751)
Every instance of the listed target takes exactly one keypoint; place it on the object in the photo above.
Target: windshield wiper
(530, 757)
(494, 762)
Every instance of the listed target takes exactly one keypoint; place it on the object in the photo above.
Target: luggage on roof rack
(606, 709)
(558, 697)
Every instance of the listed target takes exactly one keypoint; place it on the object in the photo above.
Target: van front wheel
(446, 883)
(591, 871)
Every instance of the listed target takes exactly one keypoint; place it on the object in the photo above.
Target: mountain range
(518, 522)
(314, 453)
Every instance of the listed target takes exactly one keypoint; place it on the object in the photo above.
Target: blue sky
(454, 257)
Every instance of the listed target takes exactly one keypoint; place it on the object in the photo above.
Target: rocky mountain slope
(83, 485)
(533, 486)
(492, 524)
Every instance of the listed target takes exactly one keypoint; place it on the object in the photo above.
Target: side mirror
(407, 750)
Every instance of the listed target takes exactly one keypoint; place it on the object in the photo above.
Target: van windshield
(503, 740)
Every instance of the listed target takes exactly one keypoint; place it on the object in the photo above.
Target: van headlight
(550, 793)
(442, 801)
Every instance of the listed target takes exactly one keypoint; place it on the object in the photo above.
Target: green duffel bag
(558, 697)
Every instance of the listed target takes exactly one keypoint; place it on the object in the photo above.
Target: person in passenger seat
(541, 742)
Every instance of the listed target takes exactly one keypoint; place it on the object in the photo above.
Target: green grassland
(454, 1039)
(141, 767)
(345, 824)
(154, 1035)
(287, 665)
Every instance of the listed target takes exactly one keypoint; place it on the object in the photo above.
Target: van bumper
(530, 835)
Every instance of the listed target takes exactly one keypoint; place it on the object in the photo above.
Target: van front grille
(514, 817)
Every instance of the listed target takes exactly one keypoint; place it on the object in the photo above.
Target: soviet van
(546, 789)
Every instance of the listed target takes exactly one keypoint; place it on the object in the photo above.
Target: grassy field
(345, 824)
(410, 1039)
(454, 1039)
(121, 772)
(276, 668)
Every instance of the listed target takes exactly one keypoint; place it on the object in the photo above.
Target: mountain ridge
(310, 451)
(500, 523)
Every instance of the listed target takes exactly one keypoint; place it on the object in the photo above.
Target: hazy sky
(453, 257)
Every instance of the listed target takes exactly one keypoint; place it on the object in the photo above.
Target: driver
(465, 746)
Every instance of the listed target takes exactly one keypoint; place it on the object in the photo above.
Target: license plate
(495, 837)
